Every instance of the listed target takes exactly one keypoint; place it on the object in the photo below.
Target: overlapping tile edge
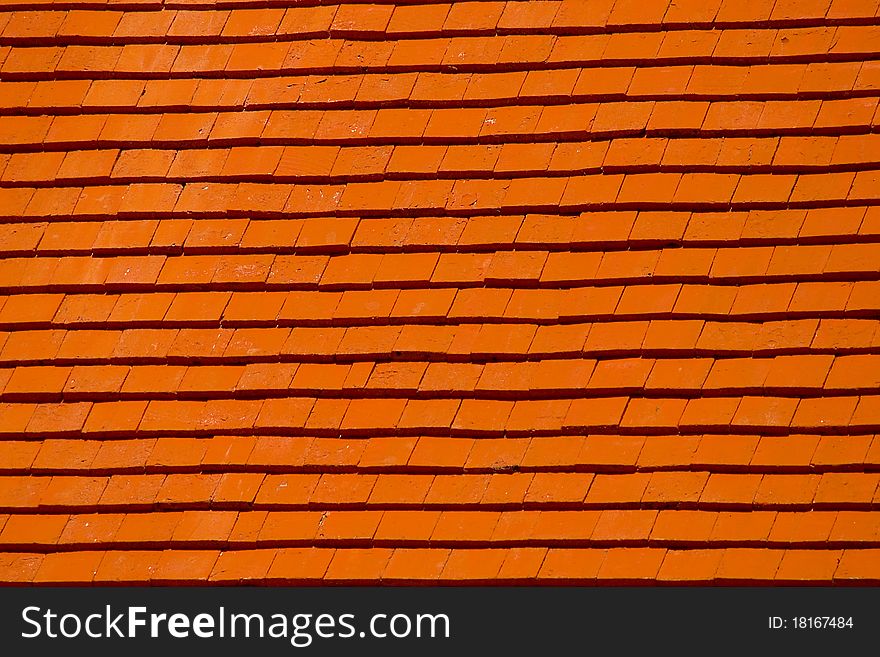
(527, 292)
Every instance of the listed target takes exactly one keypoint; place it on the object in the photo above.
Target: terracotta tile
(68, 567)
(571, 565)
(292, 565)
(749, 564)
(242, 566)
(353, 565)
(683, 525)
(631, 564)
(690, 565)
(177, 566)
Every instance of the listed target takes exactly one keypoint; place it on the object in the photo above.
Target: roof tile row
(458, 566)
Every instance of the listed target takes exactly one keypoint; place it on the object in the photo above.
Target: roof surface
(508, 292)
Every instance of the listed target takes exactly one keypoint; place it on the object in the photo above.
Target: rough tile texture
(579, 291)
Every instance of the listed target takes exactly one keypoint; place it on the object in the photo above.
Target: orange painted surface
(579, 291)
